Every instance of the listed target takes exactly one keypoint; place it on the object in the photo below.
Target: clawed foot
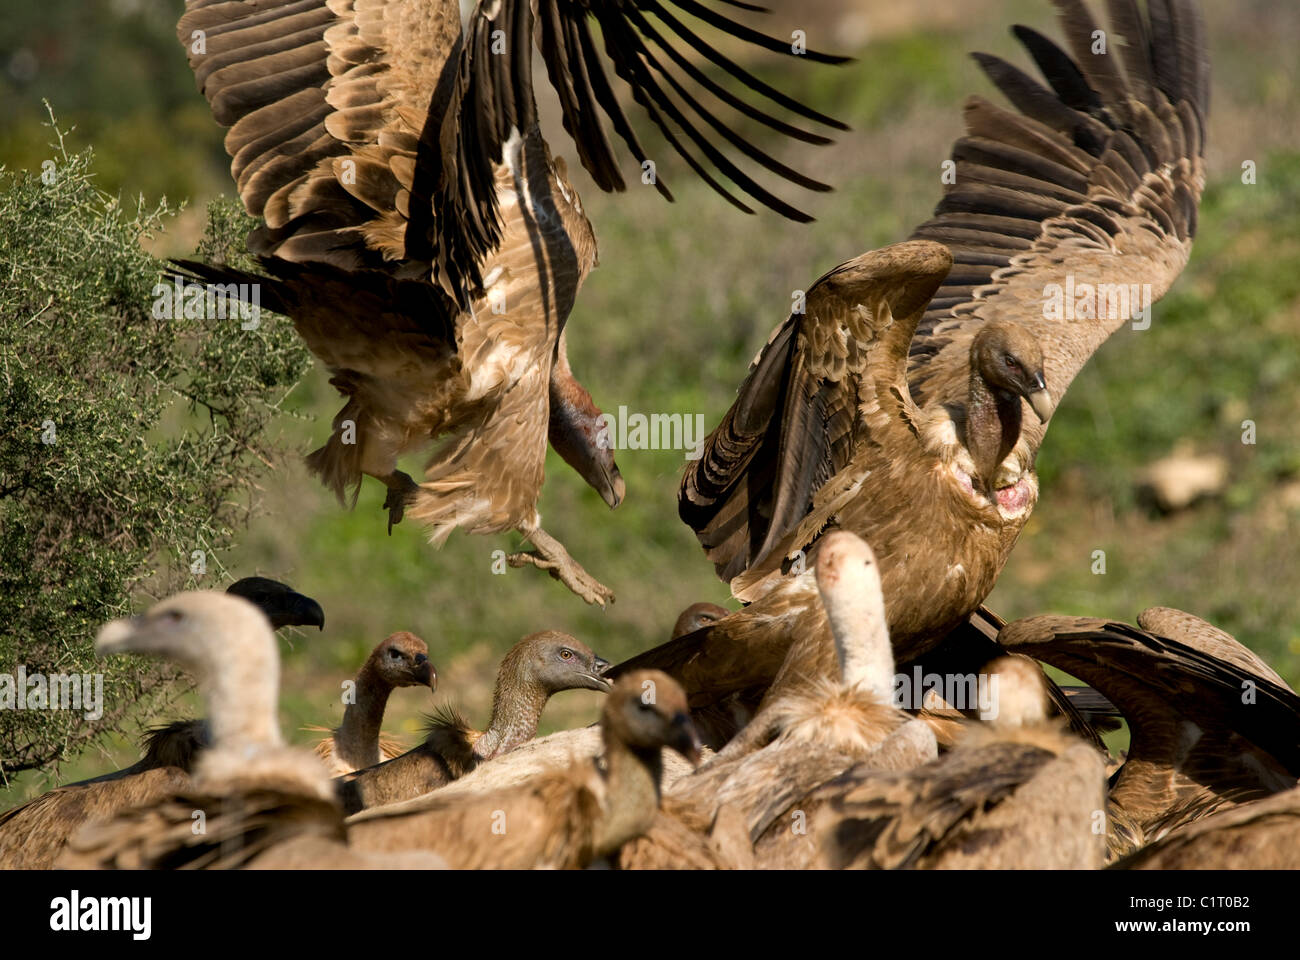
(400, 489)
(551, 556)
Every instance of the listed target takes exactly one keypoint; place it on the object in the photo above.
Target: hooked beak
(115, 636)
(598, 681)
(426, 672)
(613, 489)
(1040, 400)
(685, 740)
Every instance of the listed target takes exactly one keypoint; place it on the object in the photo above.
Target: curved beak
(1040, 400)
(115, 636)
(597, 680)
(685, 740)
(426, 672)
(613, 489)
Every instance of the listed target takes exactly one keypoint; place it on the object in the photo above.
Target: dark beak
(425, 671)
(302, 611)
(685, 740)
(613, 489)
(1040, 400)
(597, 680)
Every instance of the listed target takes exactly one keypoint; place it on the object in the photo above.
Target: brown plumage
(537, 667)
(1260, 835)
(249, 793)
(401, 660)
(1211, 725)
(563, 819)
(1018, 794)
(422, 239)
(904, 402)
(32, 835)
(811, 730)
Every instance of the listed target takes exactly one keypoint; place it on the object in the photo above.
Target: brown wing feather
(1095, 180)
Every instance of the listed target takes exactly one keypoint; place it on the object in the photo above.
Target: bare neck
(517, 704)
(992, 427)
(356, 741)
(242, 698)
(632, 795)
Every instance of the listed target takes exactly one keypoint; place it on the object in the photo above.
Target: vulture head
(848, 579)
(402, 660)
(647, 710)
(696, 617)
(579, 434)
(1010, 360)
(191, 629)
(283, 606)
(555, 661)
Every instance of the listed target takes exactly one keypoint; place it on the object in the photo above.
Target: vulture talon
(400, 488)
(549, 555)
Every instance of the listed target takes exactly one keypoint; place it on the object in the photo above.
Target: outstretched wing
(332, 108)
(827, 377)
(1070, 214)
(494, 93)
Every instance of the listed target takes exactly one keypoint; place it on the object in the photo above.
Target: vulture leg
(400, 490)
(549, 554)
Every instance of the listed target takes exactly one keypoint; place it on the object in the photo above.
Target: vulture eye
(1011, 362)
(566, 654)
(174, 616)
(394, 653)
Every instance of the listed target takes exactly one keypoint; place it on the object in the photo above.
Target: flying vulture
(907, 403)
(423, 239)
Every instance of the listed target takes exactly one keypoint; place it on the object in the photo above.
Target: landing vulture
(1211, 725)
(908, 402)
(424, 241)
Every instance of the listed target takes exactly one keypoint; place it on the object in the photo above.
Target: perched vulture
(1017, 794)
(402, 660)
(537, 667)
(33, 834)
(423, 240)
(908, 400)
(250, 795)
(817, 729)
(563, 819)
(1211, 725)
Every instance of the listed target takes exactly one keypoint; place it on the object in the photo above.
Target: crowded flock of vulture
(861, 496)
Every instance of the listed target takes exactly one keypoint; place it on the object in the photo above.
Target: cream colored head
(848, 578)
(1018, 695)
(226, 643)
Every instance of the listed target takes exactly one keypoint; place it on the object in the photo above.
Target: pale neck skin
(356, 741)
(992, 427)
(632, 794)
(242, 694)
(856, 612)
(517, 704)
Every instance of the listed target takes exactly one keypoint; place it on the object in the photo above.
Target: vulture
(816, 729)
(907, 399)
(33, 834)
(425, 242)
(537, 667)
(1260, 835)
(566, 818)
(402, 660)
(1016, 793)
(1211, 725)
(697, 616)
(249, 793)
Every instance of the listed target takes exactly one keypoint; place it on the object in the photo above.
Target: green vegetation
(129, 444)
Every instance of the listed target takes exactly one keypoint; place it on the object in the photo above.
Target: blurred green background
(685, 295)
